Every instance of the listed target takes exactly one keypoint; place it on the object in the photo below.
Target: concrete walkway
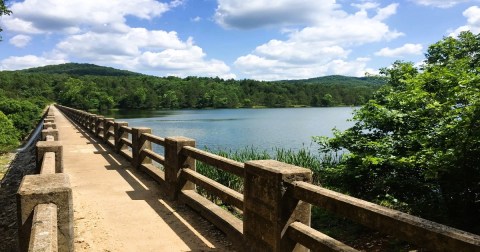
(117, 208)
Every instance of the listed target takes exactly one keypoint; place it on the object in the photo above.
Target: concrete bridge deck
(117, 208)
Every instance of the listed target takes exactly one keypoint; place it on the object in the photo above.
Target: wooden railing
(277, 198)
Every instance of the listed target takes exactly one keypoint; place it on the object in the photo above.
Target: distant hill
(340, 79)
(77, 69)
(83, 69)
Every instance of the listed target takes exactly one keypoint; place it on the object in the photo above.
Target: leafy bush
(8, 134)
(23, 114)
(416, 145)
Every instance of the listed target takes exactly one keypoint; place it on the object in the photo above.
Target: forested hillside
(88, 86)
(23, 94)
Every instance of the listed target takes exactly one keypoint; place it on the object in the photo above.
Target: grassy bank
(5, 160)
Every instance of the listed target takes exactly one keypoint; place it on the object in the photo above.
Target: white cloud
(247, 14)
(97, 32)
(266, 69)
(142, 50)
(28, 61)
(196, 19)
(20, 40)
(407, 49)
(322, 47)
(473, 21)
(184, 63)
(439, 3)
(35, 16)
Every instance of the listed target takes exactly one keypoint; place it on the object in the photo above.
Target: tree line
(24, 93)
(81, 86)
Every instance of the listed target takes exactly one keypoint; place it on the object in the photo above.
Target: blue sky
(257, 39)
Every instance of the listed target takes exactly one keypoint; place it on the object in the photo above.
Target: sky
(252, 39)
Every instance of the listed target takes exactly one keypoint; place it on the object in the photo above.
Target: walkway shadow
(195, 231)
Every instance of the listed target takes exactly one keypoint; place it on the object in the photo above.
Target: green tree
(3, 11)
(22, 113)
(8, 134)
(85, 95)
(416, 145)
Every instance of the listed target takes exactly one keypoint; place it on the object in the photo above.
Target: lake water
(231, 129)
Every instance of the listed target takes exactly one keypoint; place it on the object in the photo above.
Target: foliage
(85, 95)
(3, 11)
(416, 145)
(23, 114)
(76, 69)
(108, 87)
(302, 158)
(8, 134)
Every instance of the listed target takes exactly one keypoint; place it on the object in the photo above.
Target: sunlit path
(118, 209)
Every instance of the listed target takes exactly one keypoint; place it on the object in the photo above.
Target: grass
(5, 160)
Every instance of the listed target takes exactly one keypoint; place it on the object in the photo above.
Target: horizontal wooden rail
(422, 232)
(226, 194)
(217, 161)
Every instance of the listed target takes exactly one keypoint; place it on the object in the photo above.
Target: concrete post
(174, 162)
(48, 120)
(45, 189)
(50, 146)
(98, 122)
(48, 125)
(119, 134)
(106, 127)
(91, 123)
(50, 132)
(269, 206)
(138, 146)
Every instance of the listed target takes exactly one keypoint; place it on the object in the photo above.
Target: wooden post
(269, 206)
(174, 161)
(138, 145)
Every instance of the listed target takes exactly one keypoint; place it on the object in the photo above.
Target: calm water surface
(231, 129)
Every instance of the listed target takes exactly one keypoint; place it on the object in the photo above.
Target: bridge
(101, 187)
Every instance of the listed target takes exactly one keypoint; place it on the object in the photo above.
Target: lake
(232, 129)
